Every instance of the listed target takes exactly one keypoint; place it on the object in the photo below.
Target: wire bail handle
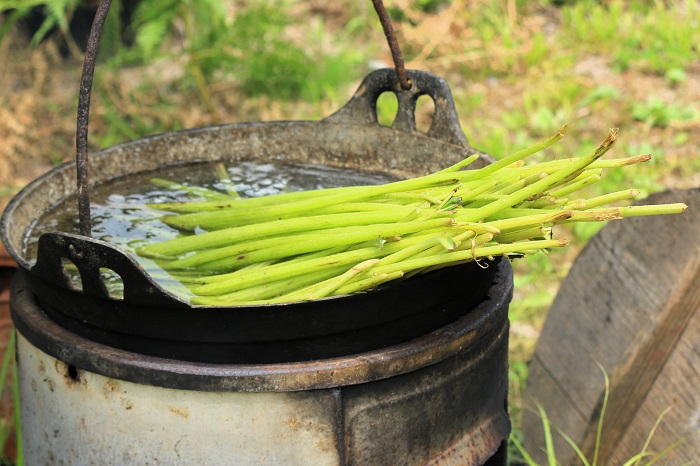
(404, 82)
(81, 137)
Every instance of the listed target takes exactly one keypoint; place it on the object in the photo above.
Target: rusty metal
(81, 136)
(396, 55)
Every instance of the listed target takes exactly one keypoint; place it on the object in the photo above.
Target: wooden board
(630, 304)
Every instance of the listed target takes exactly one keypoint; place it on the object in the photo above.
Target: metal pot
(253, 334)
(401, 375)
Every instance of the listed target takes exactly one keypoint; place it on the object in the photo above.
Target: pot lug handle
(361, 109)
(89, 255)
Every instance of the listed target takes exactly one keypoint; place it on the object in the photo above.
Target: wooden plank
(632, 380)
(564, 410)
(675, 388)
(619, 306)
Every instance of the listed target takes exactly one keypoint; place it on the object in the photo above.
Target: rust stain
(293, 423)
(110, 387)
(180, 411)
(71, 374)
(52, 385)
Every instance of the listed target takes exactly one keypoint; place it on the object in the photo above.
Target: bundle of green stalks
(312, 244)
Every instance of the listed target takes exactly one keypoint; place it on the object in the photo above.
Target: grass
(518, 71)
(9, 426)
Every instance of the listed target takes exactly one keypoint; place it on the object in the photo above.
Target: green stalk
(398, 196)
(545, 183)
(459, 243)
(260, 230)
(509, 183)
(225, 180)
(234, 281)
(358, 207)
(527, 181)
(410, 251)
(272, 289)
(367, 283)
(537, 219)
(510, 226)
(553, 165)
(239, 217)
(575, 186)
(210, 255)
(316, 244)
(469, 255)
(201, 257)
(468, 194)
(613, 213)
(205, 193)
(220, 277)
(609, 198)
(326, 287)
(437, 253)
(459, 165)
(644, 210)
(545, 202)
(615, 163)
(520, 155)
(525, 234)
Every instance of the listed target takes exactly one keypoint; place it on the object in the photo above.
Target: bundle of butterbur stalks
(313, 244)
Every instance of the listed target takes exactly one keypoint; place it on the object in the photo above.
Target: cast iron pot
(152, 321)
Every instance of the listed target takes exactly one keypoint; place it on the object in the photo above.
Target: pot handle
(89, 256)
(361, 109)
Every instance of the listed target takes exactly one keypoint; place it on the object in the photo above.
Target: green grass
(13, 425)
(649, 36)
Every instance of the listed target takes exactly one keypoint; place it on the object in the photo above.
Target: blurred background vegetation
(518, 69)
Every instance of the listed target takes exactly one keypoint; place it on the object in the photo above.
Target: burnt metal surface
(362, 107)
(89, 255)
(449, 413)
(482, 323)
